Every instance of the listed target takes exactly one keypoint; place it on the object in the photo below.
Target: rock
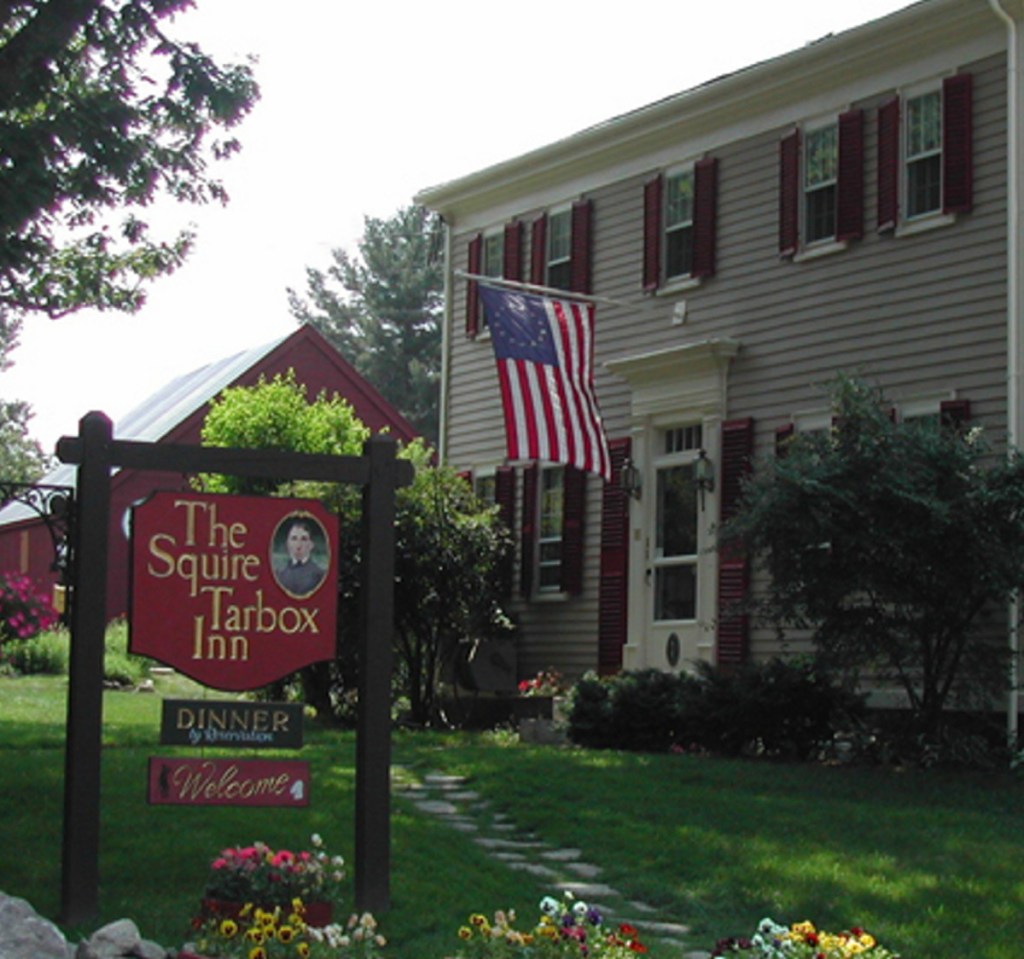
(114, 941)
(26, 935)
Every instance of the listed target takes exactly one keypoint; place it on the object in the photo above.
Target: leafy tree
(891, 542)
(449, 546)
(22, 459)
(382, 310)
(102, 110)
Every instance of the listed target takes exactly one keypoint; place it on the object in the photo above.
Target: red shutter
(476, 249)
(512, 267)
(954, 414)
(539, 250)
(614, 570)
(528, 531)
(505, 498)
(652, 234)
(705, 203)
(789, 193)
(580, 278)
(466, 475)
(574, 493)
(957, 147)
(850, 182)
(888, 164)
(733, 626)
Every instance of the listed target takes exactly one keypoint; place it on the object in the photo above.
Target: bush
(24, 613)
(777, 708)
(46, 653)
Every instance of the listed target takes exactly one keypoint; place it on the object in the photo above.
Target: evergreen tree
(382, 310)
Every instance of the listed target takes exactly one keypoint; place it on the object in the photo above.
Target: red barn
(175, 414)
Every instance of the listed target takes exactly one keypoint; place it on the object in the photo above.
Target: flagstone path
(452, 800)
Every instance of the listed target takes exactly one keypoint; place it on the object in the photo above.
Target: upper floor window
(821, 184)
(560, 243)
(925, 154)
(558, 256)
(821, 178)
(497, 253)
(679, 224)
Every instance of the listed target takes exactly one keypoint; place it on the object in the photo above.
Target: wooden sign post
(96, 453)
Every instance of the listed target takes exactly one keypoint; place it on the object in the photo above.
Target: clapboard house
(854, 205)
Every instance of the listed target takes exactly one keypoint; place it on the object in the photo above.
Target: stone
(26, 935)
(113, 941)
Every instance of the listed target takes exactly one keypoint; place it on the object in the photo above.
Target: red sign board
(233, 591)
(228, 782)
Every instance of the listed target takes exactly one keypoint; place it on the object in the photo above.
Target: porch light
(704, 475)
(629, 479)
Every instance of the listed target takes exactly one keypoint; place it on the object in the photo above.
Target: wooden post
(80, 873)
(373, 740)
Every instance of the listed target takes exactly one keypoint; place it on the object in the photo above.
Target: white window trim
(935, 219)
(925, 404)
(679, 280)
(827, 243)
(560, 210)
(537, 589)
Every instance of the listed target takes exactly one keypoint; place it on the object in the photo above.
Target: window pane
(821, 156)
(494, 251)
(486, 488)
(924, 186)
(924, 124)
(678, 199)
(551, 504)
(559, 236)
(675, 592)
(679, 252)
(677, 512)
(820, 208)
(558, 275)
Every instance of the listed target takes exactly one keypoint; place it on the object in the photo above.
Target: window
(550, 520)
(674, 561)
(498, 253)
(925, 155)
(821, 185)
(560, 243)
(679, 225)
(558, 256)
(821, 170)
(485, 487)
(551, 534)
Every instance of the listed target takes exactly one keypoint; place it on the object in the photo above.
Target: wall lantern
(704, 475)
(629, 479)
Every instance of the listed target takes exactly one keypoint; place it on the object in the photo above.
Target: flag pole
(536, 288)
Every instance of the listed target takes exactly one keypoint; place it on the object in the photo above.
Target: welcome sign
(233, 591)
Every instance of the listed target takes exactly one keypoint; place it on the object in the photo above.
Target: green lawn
(932, 863)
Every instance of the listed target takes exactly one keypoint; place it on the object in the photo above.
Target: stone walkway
(451, 800)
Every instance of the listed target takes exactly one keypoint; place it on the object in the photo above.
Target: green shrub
(120, 666)
(46, 653)
(775, 708)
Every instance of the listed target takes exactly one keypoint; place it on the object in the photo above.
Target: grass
(930, 862)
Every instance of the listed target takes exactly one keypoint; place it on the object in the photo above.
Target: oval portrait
(300, 554)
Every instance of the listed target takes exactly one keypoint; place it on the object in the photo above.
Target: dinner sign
(233, 591)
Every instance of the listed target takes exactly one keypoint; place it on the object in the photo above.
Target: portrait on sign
(300, 554)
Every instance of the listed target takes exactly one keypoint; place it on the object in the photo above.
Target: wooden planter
(317, 914)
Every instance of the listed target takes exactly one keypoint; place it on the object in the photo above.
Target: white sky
(363, 105)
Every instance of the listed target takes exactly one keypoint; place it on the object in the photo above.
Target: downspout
(1009, 11)
(446, 326)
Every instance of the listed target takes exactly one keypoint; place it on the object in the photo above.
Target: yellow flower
(298, 906)
(302, 949)
(256, 934)
(257, 952)
(478, 920)
(867, 940)
(285, 934)
(465, 933)
(228, 928)
(804, 929)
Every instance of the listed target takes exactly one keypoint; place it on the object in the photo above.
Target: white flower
(316, 840)
(580, 909)
(549, 906)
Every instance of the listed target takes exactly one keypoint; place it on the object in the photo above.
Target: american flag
(544, 348)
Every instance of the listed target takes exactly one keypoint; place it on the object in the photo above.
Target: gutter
(1010, 12)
